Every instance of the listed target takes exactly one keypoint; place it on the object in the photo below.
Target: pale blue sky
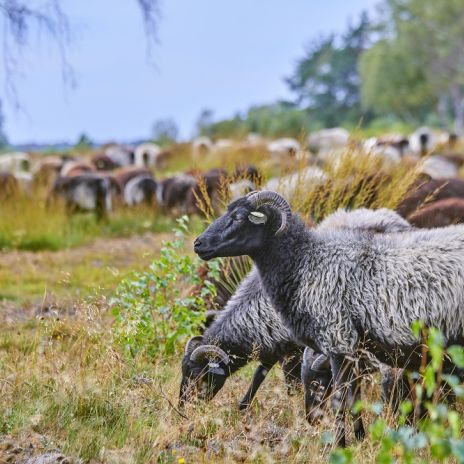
(217, 54)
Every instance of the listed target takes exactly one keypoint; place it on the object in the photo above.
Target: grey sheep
(248, 327)
(340, 290)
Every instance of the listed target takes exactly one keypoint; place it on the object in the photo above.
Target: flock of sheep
(119, 174)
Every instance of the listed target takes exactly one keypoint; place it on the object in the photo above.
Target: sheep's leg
(341, 368)
(258, 378)
(354, 397)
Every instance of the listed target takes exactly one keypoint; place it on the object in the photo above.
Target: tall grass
(27, 224)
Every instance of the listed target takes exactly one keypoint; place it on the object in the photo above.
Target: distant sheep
(439, 167)
(432, 190)
(9, 185)
(87, 192)
(440, 213)
(328, 141)
(423, 141)
(284, 148)
(15, 162)
(201, 146)
(146, 155)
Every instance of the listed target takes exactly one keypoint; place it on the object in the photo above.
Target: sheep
(299, 182)
(247, 326)
(284, 148)
(328, 141)
(382, 220)
(119, 154)
(87, 192)
(439, 167)
(344, 290)
(146, 154)
(9, 185)
(434, 189)
(102, 162)
(76, 168)
(201, 147)
(140, 189)
(122, 176)
(12, 162)
(422, 141)
(440, 213)
(171, 193)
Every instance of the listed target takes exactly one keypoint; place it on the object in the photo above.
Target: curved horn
(308, 355)
(191, 343)
(320, 363)
(209, 351)
(267, 197)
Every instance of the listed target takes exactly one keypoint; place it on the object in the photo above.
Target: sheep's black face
(201, 380)
(242, 230)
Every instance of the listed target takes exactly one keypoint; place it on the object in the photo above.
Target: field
(66, 382)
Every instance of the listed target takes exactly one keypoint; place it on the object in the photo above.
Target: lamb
(343, 290)
(440, 213)
(247, 326)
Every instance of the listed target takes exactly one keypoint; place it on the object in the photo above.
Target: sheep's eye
(238, 218)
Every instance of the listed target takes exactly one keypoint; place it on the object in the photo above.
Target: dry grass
(63, 380)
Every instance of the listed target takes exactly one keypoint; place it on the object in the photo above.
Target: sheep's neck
(280, 262)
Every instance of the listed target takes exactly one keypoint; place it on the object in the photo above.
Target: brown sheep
(9, 185)
(439, 213)
(434, 189)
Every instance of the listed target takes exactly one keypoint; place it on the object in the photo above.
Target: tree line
(400, 67)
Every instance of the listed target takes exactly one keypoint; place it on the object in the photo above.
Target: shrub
(155, 310)
(438, 435)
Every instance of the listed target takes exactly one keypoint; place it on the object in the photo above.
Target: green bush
(153, 314)
(438, 435)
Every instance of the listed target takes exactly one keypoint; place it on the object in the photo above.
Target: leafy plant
(156, 309)
(438, 434)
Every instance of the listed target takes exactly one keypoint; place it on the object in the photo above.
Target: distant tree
(84, 142)
(165, 131)
(326, 80)
(204, 121)
(278, 119)
(418, 62)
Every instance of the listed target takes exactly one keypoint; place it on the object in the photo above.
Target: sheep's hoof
(360, 434)
(243, 406)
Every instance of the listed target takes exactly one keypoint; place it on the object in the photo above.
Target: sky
(215, 54)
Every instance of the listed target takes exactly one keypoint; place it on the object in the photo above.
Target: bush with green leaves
(155, 310)
(436, 437)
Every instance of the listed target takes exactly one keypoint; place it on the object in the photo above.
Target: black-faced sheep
(247, 328)
(343, 290)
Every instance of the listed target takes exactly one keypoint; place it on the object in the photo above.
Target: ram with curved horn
(246, 328)
(338, 292)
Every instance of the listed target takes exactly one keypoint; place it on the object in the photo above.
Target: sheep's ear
(256, 217)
